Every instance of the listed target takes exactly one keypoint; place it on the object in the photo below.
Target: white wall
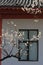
(27, 24)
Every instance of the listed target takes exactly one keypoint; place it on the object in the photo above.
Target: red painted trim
(15, 13)
(0, 37)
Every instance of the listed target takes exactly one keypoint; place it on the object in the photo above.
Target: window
(28, 49)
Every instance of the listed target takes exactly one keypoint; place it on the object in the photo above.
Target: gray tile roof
(20, 3)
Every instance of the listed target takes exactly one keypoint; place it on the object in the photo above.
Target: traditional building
(28, 15)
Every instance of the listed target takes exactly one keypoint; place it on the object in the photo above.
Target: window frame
(28, 44)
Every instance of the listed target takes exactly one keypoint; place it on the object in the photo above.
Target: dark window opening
(28, 50)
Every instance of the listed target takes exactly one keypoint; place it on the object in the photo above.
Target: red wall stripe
(7, 12)
(0, 37)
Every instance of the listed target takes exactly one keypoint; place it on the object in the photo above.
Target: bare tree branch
(5, 51)
(8, 57)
